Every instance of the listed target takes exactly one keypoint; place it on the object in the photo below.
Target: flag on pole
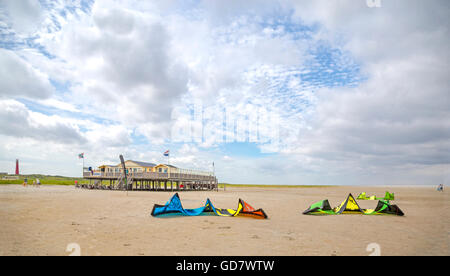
(81, 155)
(166, 153)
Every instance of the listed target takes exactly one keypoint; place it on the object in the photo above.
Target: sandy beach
(45, 220)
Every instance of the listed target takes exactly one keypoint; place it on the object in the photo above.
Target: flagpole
(214, 175)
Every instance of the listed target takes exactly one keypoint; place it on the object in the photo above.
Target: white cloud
(25, 16)
(122, 58)
(395, 124)
(54, 103)
(17, 121)
(19, 79)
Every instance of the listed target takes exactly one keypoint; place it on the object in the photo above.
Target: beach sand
(45, 220)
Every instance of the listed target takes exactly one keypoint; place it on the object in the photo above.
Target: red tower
(17, 166)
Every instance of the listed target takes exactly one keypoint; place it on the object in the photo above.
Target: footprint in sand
(225, 227)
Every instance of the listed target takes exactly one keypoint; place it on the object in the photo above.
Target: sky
(345, 92)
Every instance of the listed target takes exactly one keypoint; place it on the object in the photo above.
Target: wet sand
(45, 220)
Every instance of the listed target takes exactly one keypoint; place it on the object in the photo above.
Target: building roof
(167, 166)
(107, 166)
(143, 164)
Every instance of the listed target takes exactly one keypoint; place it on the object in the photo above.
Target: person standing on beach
(25, 182)
(38, 182)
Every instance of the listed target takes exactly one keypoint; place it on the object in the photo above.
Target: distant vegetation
(45, 179)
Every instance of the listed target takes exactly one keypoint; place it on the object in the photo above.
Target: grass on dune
(44, 179)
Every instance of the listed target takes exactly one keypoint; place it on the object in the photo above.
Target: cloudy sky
(275, 92)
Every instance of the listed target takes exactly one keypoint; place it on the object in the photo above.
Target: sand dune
(45, 220)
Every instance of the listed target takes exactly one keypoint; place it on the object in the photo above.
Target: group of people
(36, 182)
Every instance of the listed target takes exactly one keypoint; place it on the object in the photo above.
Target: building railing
(151, 175)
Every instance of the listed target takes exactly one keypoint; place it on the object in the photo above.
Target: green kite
(350, 206)
(388, 196)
